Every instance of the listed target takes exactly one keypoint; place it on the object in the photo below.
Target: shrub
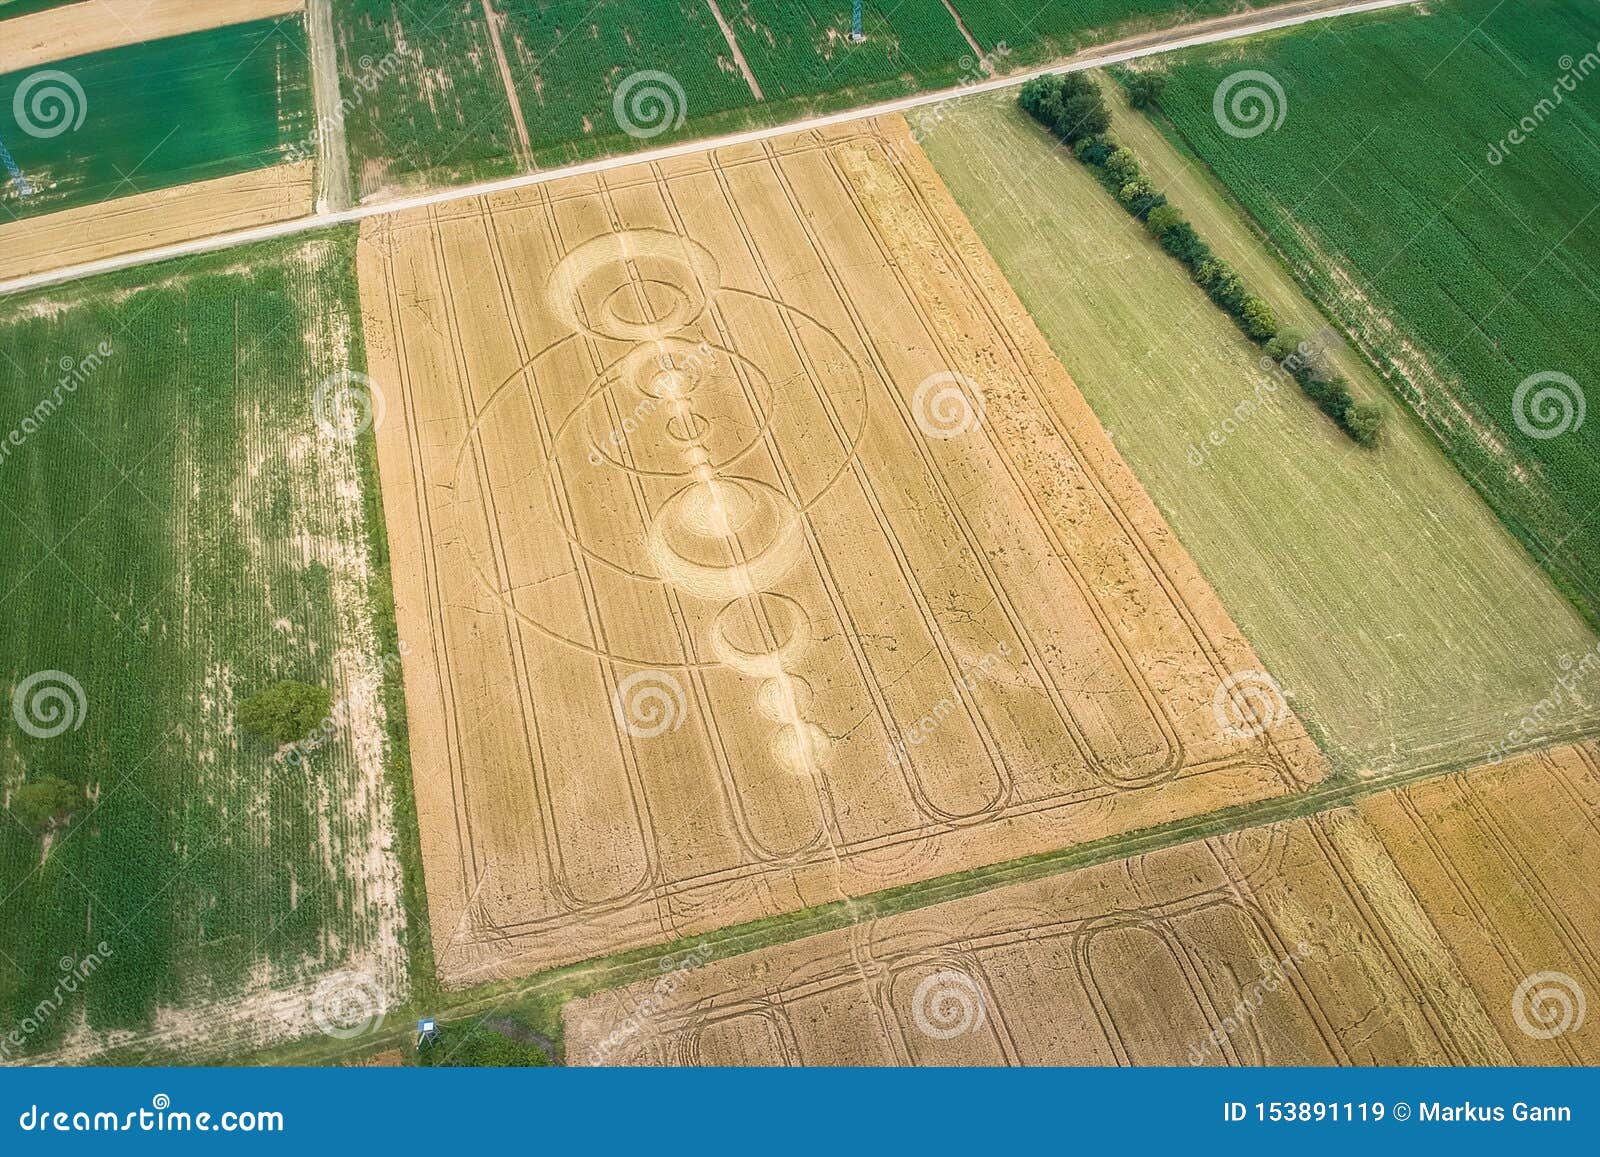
(286, 711)
(1123, 166)
(501, 1043)
(1083, 115)
(1072, 84)
(1257, 317)
(1036, 92)
(1283, 346)
(1363, 421)
(1185, 244)
(1094, 150)
(45, 804)
(1228, 290)
(1145, 88)
(1162, 218)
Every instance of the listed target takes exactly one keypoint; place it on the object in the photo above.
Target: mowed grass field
(1465, 277)
(179, 533)
(1403, 621)
(431, 105)
(149, 116)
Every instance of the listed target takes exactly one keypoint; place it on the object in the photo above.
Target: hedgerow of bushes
(1072, 106)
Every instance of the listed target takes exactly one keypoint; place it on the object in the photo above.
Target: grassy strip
(1074, 108)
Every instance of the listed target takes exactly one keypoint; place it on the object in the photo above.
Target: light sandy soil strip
(156, 218)
(1396, 933)
(333, 153)
(95, 25)
(733, 47)
(494, 21)
(869, 599)
(977, 52)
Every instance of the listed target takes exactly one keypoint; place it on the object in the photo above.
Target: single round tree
(286, 712)
(46, 804)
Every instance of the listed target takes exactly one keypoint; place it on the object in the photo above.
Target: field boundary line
(738, 53)
(494, 21)
(961, 26)
(1175, 41)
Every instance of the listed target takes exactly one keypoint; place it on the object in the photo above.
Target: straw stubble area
(1439, 924)
(754, 552)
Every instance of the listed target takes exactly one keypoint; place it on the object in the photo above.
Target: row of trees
(1073, 107)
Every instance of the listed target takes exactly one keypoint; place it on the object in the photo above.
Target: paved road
(1132, 48)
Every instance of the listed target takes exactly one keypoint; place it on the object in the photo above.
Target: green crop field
(157, 114)
(804, 49)
(180, 532)
(1038, 30)
(569, 58)
(1406, 625)
(428, 105)
(1464, 274)
(423, 93)
(23, 7)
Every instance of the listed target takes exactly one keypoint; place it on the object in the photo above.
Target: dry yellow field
(754, 551)
(1506, 863)
(149, 220)
(1313, 941)
(95, 25)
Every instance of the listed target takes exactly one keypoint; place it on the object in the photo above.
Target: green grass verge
(1462, 276)
(163, 113)
(179, 534)
(1404, 622)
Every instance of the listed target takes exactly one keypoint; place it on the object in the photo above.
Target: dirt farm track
(753, 552)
